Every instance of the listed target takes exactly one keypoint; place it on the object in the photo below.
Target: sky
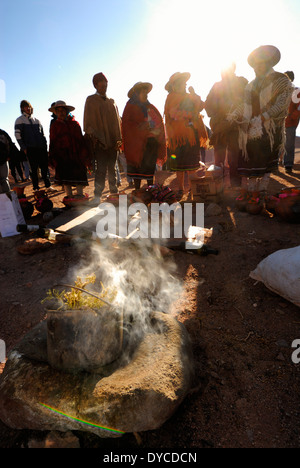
(51, 49)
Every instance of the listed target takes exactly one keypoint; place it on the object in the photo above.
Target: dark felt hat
(266, 53)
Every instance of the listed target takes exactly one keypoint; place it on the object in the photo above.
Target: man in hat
(102, 126)
(261, 120)
(30, 137)
(291, 124)
(225, 96)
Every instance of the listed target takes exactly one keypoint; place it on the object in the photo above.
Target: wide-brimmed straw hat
(177, 77)
(60, 104)
(138, 86)
(266, 53)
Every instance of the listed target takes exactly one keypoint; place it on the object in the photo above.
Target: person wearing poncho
(102, 127)
(261, 120)
(68, 152)
(186, 132)
(143, 135)
(224, 96)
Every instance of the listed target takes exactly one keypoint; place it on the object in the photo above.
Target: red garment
(293, 116)
(136, 132)
(182, 111)
(68, 152)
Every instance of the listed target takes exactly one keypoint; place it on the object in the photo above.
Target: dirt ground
(246, 388)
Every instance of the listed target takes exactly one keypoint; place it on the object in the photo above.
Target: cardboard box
(207, 189)
(10, 214)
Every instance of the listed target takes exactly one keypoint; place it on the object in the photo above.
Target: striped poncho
(263, 112)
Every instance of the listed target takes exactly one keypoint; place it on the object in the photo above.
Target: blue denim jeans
(4, 183)
(289, 156)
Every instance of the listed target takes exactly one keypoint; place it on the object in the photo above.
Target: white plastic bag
(280, 272)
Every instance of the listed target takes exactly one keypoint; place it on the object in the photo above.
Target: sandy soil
(246, 389)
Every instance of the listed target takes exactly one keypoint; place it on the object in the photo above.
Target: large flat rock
(138, 395)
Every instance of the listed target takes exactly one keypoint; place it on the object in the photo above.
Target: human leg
(43, 163)
(68, 190)
(220, 155)
(137, 184)
(34, 165)
(289, 156)
(4, 182)
(100, 171)
(27, 169)
(180, 180)
(79, 189)
(112, 172)
(233, 152)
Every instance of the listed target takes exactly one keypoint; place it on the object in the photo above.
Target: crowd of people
(252, 125)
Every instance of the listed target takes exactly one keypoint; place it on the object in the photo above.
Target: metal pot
(83, 340)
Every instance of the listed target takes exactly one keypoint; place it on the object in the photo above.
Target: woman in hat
(68, 153)
(261, 120)
(186, 132)
(143, 135)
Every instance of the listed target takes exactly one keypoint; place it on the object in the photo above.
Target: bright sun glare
(202, 38)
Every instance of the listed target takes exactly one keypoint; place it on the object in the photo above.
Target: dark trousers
(16, 166)
(230, 147)
(105, 162)
(38, 159)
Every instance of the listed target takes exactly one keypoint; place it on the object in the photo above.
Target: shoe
(289, 170)
(51, 189)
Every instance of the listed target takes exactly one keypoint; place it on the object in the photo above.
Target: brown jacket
(102, 121)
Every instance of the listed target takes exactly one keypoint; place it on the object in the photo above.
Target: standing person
(102, 127)
(15, 164)
(5, 148)
(144, 135)
(261, 121)
(225, 96)
(185, 129)
(68, 151)
(30, 137)
(291, 124)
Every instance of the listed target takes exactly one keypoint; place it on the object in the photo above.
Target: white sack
(280, 272)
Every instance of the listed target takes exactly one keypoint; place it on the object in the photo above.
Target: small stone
(213, 210)
(280, 357)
